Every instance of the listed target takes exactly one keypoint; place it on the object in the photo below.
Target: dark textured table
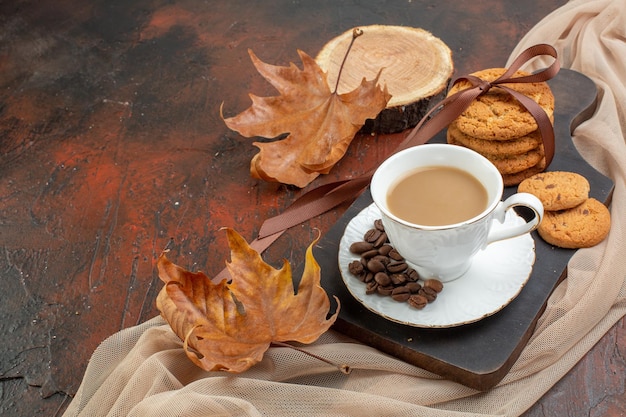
(111, 143)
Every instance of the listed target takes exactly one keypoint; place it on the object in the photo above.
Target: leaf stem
(356, 32)
(343, 368)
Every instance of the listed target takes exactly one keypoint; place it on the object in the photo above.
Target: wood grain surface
(111, 143)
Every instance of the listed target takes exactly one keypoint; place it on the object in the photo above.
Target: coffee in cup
(437, 196)
(441, 204)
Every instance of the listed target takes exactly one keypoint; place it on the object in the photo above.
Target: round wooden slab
(416, 68)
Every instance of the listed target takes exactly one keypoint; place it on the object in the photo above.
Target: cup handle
(519, 199)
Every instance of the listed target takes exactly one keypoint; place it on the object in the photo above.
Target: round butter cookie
(496, 147)
(582, 226)
(517, 168)
(497, 115)
(516, 178)
(557, 190)
(516, 163)
(510, 164)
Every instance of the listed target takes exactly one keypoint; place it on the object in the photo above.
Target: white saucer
(496, 277)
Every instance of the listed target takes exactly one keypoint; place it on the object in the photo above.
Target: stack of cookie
(498, 127)
(571, 219)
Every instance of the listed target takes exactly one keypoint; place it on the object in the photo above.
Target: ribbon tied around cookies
(452, 106)
(328, 196)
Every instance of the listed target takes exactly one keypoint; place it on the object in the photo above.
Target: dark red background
(111, 143)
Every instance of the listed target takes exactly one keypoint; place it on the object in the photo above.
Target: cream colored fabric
(142, 371)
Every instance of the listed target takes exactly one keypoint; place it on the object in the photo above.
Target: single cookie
(496, 147)
(510, 165)
(496, 115)
(514, 179)
(517, 163)
(557, 190)
(582, 226)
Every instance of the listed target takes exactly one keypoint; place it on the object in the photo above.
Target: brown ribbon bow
(325, 197)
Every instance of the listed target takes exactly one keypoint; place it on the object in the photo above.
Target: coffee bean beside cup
(441, 204)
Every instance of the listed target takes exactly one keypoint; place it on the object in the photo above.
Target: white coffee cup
(446, 252)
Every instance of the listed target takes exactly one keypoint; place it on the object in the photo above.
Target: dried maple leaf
(321, 124)
(229, 326)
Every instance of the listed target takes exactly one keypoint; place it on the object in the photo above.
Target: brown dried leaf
(321, 124)
(229, 326)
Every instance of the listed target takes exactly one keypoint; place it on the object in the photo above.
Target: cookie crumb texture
(500, 128)
(583, 226)
(497, 115)
(496, 148)
(557, 190)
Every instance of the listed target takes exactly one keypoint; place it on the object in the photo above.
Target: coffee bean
(356, 268)
(371, 288)
(385, 290)
(400, 294)
(370, 253)
(372, 235)
(395, 255)
(382, 279)
(397, 279)
(428, 293)
(385, 249)
(382, 259)
(412, 275)
(378, 224)
(417, 301)
(397, 267)
(360, 247)
(382, 239)
(414, 287)
(375, 266)
(435, 284)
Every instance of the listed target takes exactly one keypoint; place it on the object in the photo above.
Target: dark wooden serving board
(477, 355)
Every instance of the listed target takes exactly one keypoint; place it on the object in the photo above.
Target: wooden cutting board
(480, 354)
